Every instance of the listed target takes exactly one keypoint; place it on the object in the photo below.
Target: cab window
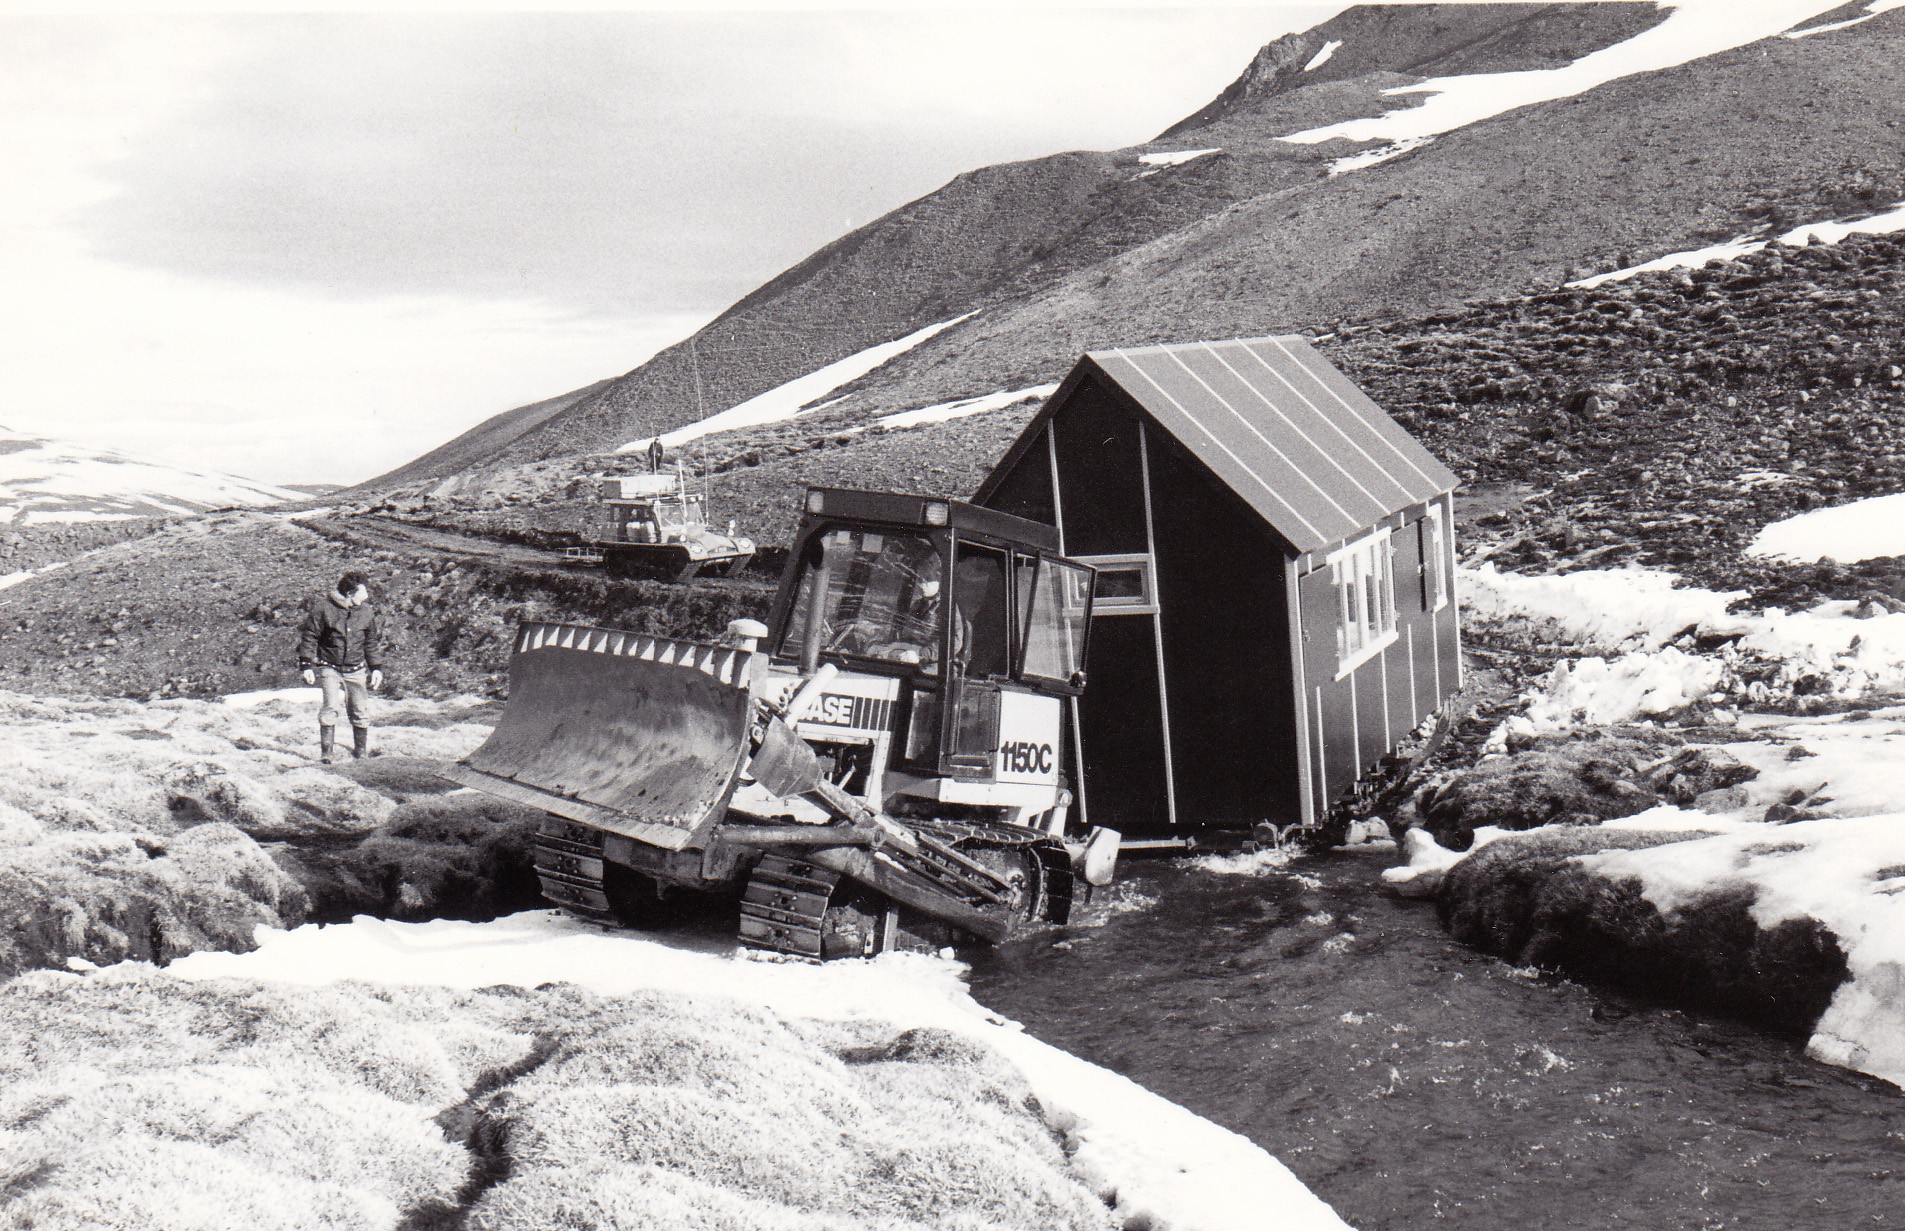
(981, 611)
(875, 594)
(1055, 600)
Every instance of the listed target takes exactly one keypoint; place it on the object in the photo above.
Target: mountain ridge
(1253, 234)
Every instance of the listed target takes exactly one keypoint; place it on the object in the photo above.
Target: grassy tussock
(1578, 781)
(132, 1100)
(797, 1127)
(132, 830)
(1530, 899)
(111, 897)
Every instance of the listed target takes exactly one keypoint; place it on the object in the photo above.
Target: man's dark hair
(349, 582)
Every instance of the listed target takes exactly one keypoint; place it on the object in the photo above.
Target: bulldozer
(880, 766)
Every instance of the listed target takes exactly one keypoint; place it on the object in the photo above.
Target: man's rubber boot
(361, 749)
(327, 744)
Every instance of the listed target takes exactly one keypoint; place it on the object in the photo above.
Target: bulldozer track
(785, 900)
(784, 907)
(569, 864)
(1052, 897)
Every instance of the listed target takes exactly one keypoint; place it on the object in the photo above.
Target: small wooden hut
(1275, 604)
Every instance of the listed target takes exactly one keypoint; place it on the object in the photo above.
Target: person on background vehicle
(337, 650)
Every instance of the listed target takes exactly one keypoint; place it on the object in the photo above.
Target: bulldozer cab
(966, 606)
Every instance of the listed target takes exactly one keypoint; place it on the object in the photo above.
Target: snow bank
(1596, 692)
(1612, 608)
(785, 401)
(1847, 533)
(1639, 610)
(1691, 31)
(962, 407)
(1825, 232)
(1848, 875)
(1167, 1167)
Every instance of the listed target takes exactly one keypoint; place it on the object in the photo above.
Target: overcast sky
(308, 248)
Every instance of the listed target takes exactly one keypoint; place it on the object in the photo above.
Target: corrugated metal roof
(1288, 432)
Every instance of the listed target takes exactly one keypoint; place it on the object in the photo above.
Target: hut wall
(1226, 642)
(1354, 718)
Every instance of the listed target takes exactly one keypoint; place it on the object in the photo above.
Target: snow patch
(1825, 232)
(785, 401)
(1614, 608)
(1596, 692)
(1847, 533)
(1871, 10)
(1383, 153)
(1167, 1166)
(1175, 158)
(1691, 31)
(1329, 49)
(962, 407)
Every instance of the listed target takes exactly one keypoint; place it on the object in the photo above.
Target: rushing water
(1408, 1079)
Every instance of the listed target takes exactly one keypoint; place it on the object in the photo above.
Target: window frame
(1146, 567)
(1436, 581)
(1022, 602)
(938, 539)
(1365, 563)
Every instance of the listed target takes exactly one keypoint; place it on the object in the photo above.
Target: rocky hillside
(1661, 419)
(1228, 225)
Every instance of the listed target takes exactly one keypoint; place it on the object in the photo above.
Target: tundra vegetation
(133, 1100)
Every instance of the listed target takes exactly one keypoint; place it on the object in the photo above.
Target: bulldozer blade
(640, 736)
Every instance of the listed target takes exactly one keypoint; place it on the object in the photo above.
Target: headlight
(936, 512)
(816, 501)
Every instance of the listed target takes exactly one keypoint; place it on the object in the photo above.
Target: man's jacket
(338, 636)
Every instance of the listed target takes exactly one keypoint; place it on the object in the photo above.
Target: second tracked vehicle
(881, 766)
(661, 531)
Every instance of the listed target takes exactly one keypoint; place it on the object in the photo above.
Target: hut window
(1126, 584)
(1435, 568)
(1365, 577)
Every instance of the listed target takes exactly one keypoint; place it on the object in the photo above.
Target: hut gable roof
(1280, 425)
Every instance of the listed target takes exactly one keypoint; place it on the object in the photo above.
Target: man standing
(338, 651)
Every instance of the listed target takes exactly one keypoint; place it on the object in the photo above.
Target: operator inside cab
(877, 595)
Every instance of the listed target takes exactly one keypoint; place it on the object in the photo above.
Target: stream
(1406, 1078)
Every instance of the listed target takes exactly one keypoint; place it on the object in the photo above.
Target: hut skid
(1275, 608)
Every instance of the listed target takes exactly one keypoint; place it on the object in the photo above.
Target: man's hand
(310, 676)
(376, 678)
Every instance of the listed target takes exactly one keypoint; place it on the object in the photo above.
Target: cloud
(307, 248)
(606, 162)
